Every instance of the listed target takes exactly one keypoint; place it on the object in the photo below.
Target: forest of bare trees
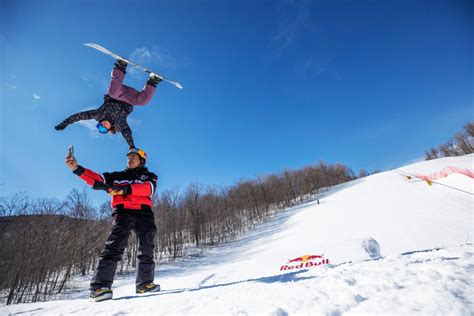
(44, 242)
(461, 144)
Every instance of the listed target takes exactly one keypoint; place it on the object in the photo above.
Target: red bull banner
(304, 262)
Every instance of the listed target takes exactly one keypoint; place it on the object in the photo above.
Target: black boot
(61, 126)
(153, 80)
(150, 287)
(121, 65)
(101, 294)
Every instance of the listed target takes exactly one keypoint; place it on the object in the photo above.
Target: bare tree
(469, 129)
(363, 173)
(16, 204)
(464, 143)
(192, 206)
(79, 204)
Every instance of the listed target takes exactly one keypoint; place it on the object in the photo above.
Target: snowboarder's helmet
(140, 152)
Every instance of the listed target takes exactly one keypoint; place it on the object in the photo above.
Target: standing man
(131, 191)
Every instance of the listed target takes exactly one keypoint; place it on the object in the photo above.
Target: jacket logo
(119, 182)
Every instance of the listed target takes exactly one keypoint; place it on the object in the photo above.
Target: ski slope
(393, 245)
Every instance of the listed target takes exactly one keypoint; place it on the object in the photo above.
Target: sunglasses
(101, 128)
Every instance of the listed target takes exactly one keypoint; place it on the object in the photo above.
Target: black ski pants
(145, 229)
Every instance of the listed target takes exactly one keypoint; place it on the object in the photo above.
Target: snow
(394, 246)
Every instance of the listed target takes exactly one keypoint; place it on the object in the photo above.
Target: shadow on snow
(281, 278)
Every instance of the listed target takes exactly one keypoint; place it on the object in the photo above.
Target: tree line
(461, 144)
(44, 242)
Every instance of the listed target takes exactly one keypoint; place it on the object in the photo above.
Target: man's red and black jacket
(142, 182)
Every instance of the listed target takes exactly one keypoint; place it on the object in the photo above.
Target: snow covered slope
(381, 244)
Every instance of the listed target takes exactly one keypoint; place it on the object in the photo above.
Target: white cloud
(8, 83)
(153, 56)
(294, 17)
(88, 81)
(313, 68)
(36, 97)
(12, 86)
(89, 124)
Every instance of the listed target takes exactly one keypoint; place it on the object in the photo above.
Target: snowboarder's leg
(116, 87)
(145, 229)
(81, 116)
(112, 253)
(119, 91)
(144, 96)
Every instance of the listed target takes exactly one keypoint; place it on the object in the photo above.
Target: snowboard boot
(121, 65)
(153, 80)
(101, 294)
(61, 126)
(147, 288)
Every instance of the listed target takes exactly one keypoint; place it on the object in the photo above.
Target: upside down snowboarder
(118, 103)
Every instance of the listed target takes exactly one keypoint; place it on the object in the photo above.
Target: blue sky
(268, 85)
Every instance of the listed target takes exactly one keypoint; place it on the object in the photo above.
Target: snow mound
(371, 246)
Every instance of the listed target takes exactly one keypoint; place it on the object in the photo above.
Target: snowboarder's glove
(121, 190)
(153, 80)
(121, 65)
(61, 125)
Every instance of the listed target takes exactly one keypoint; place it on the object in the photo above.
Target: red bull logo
(304, 262)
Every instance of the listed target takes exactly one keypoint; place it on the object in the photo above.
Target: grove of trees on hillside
(461, 144)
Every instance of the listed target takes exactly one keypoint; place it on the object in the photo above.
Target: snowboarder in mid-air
(132, 203)
(118, 104)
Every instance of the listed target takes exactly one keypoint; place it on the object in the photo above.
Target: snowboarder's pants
(119, 91)
(145, 229)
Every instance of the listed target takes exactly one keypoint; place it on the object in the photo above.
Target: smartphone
(71, 151)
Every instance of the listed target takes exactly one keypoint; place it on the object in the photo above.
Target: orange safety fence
(444, 173)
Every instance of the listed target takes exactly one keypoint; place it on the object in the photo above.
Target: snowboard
(140, 67)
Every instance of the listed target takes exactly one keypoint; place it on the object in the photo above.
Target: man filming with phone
(131, 191)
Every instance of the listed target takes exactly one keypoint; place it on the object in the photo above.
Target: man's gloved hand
(121, 190)
(113, 189)
(101, 186)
